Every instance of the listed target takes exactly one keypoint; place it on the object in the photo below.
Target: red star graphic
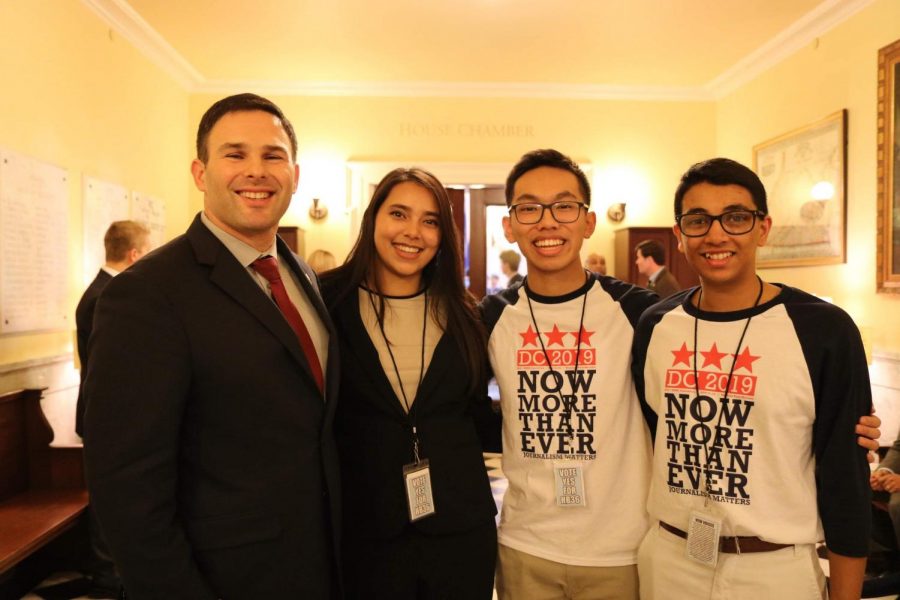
(584, 335)
(682, 355)
(713, 357)
(555, 336)
(529, 337)
(744, 360)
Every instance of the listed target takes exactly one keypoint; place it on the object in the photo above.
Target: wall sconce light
(317, 211)
(616, 212)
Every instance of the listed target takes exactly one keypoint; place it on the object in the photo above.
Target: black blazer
(84, 323)
(375, 438)
(209, 450)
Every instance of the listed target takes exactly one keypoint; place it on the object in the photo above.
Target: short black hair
(722, 171)
(547, 158)
(652, 249)
(240, 103)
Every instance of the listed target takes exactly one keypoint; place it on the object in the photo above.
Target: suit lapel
(434, 375)
(357, 342)
(232, 278)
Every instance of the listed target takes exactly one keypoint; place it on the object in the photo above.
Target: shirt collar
(242, 251)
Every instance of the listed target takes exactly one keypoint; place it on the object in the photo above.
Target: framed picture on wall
(805, 174)
(888, 265)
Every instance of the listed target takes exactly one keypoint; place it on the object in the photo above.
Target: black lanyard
(567, 405)
(409, 409)
(715, 436)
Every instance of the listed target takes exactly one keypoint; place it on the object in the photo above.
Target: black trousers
(419, 566)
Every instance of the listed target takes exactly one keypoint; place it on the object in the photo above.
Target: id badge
(569, 478)
(419, 499)
(703, 538)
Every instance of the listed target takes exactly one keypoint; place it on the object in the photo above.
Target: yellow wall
(80, 97)
(838, 71)
(646, 143)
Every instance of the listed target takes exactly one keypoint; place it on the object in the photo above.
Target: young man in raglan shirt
(576, 450)
(752, 390)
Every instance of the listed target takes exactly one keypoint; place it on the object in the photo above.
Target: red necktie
(267, 266)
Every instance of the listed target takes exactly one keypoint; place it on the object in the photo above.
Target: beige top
(403, 318)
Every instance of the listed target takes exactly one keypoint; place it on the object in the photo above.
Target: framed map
(888, 266)
(805, 175)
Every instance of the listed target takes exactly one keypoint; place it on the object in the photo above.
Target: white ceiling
(667, 49)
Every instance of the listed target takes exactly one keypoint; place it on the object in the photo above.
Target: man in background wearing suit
(211, 388)
(124, 243)
(650, 260)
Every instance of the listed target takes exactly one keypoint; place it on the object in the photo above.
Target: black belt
(734, 545)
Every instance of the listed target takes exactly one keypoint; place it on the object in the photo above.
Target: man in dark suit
(650, 258)
(208, 431)
(124, 242)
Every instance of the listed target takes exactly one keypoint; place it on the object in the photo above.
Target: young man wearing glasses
(575, 448)
(751, 390)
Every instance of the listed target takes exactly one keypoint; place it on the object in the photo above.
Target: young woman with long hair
(412, 416)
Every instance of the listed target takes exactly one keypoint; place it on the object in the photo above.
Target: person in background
(509, 264)
(321, 261)
(752, 390)
(595, 263)
(650, 258)
(124, 243)
(211, 390)
(412, 418)
(885, 483)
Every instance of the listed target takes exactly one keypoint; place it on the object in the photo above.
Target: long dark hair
(442, 277)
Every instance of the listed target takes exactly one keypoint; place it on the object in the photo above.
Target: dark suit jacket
(209, 450)
(375, 438)
(665, 284)
(84, 323)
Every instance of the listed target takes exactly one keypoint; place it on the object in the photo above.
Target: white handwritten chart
(150, 212)
(104, 202)
(34, 242)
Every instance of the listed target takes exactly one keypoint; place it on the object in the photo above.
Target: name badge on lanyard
(703, 538)
(569, 477)
(419, 498)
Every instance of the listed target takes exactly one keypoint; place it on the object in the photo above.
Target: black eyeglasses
(734, 222)
(564, 211)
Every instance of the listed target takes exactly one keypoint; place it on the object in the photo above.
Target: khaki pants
(522, 576)
(667, 572)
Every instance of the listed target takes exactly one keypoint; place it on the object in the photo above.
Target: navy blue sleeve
(633, 299)
(643, 332)
(836, 359)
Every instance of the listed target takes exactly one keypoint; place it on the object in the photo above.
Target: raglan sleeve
(843, 394)
(642, 334)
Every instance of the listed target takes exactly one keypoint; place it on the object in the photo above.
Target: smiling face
(249, 177)
(551, 248)
(407, 237)
(722, 260)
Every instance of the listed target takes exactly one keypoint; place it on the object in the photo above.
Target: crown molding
(123, 19)
(460, 89)
(816, 22)
(120, 16)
